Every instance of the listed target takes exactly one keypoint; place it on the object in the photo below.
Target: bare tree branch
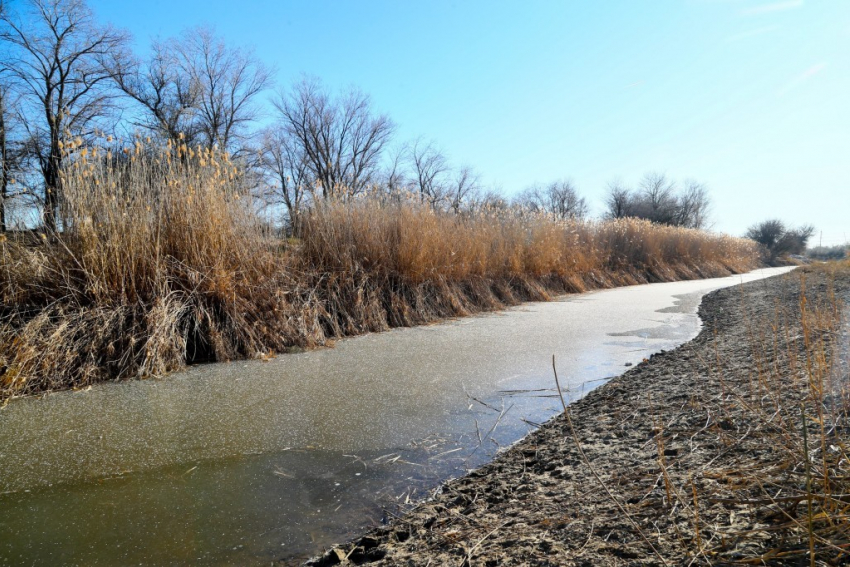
(429, 170)
(287, 172)
(220, 84)
(466, 182)
(167, 96)
(341, 138)
(559, 198)
(56, 55)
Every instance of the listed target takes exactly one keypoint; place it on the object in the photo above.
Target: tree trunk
(4, 165)
(52, 184)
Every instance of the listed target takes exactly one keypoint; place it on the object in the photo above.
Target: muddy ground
(684, 457)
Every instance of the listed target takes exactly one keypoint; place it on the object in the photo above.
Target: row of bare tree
(659, 199)
(65, 75)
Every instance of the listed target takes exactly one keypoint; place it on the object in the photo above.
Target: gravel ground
(666, 464)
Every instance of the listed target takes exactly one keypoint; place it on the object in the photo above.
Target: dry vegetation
(163, 261)
(794, 491)
(773, 488)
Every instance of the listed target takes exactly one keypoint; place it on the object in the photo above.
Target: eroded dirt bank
(697, 445)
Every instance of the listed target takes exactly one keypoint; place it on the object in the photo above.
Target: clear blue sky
(749, 96)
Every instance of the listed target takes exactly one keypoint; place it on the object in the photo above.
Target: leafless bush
(777, 240)
(661, 200)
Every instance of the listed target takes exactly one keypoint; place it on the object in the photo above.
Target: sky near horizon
(747, 96)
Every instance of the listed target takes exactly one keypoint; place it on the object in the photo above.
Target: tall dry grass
(385, 264)
(759, 472)
(789, 487)
(162, 260)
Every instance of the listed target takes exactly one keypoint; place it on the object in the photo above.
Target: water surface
(256, 462)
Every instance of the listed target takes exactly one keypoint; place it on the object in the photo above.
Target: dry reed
(162, 261)
(767, 478)
(795, 490)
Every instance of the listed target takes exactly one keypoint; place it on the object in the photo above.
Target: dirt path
(679, 442)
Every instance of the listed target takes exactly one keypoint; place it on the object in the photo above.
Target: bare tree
(56, 55)
(429, 169)
(221, 84)
(618, 201)
(13, 158)
(777, 240)
(558, 198)
(288, 170)
(394, 177)
(168, 96)
(657, 199)
(342, 137)
(490, 201)
(6, 159)
(693, 206)
(466, 182)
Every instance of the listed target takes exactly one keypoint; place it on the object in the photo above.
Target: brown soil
(676, 441)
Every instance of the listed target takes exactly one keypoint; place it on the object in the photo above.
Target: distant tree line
(65, 76)
(825, 253)
(558, 198)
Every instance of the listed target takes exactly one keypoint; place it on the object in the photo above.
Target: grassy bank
(792, 490)
(162, 261)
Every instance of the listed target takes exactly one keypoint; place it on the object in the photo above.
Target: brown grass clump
(799, 407)
(761, 470)
(162, 261)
